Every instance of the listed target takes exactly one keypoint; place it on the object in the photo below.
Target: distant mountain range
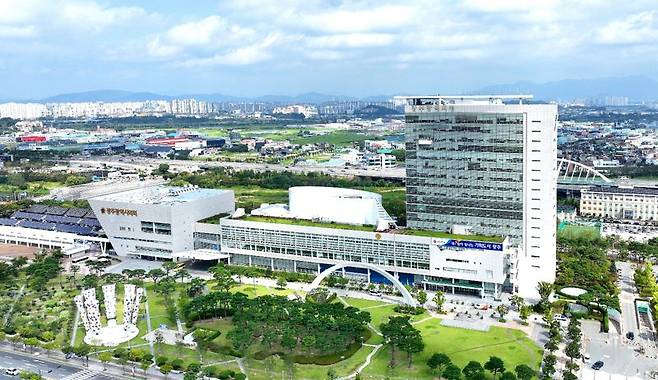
(633, 87)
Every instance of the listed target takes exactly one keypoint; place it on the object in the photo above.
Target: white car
(11, 372)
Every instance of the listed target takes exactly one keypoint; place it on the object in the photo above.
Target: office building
(156, 222)
(341, 227)
(489, 165)
(620, 203)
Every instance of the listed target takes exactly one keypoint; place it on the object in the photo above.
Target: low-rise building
(620, 202)
(155, 222)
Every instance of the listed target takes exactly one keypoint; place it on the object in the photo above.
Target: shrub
(161, 360)
(177, 364)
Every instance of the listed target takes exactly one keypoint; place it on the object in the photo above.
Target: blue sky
(359, 48)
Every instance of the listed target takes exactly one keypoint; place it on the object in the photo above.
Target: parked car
(597, 366)
(630, 335)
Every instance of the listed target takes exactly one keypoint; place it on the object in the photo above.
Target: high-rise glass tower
(481, 164)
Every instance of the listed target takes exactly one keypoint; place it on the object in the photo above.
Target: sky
(354, 48)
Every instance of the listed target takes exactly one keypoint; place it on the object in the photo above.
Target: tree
(452, 372)
(495, 365)
(524, 313)
(162, 169)
(517, 301)
(472, 370)
(105, 357)
(421, 297)
(182, 275)
(331, 374)
(508, 376)
(223, 278)
(144, 366)
(31, 342)
(155, 274)
(83, 351)
(439, 299)
(166, 369)
(168, 267)
(524, 372)
(548, 368)
(411, 343)
(438, 362)
(574, 345)
(568, 375)
(159, 339)
(281, 282)
(195, 287)
(502, 310)
(544, 289)
(393, 332)
(74, 269)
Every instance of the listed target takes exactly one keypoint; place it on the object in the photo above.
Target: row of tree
(441, 365)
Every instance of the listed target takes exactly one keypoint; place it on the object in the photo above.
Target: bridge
(573, 175)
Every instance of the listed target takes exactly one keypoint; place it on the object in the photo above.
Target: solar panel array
(54, 218)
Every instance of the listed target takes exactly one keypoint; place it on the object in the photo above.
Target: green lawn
(259, 290)
(462, 345)
(309, 223)
(572, 231)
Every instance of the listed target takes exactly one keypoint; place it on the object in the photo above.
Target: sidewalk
(113, 370)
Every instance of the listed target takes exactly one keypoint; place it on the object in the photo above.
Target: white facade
(621, 203)
(480, 162)
(157, 221)
(447, 263)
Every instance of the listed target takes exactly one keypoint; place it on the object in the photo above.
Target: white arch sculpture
(408, 299)
(573, 171)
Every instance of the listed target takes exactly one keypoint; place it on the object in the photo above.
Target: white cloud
(369, 19)
(210, 30)
(17, 31)
(352, 40)
(29, 18)
(640, 28)
(246, 55)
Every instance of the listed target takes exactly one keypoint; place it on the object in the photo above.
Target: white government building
(620, 203)
(481, 209)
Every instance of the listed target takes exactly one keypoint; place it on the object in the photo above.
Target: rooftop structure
(162, 195)
(331, 204)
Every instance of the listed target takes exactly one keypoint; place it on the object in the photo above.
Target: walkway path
(366, 362)
(74, 333)
(11, 309)
(148, 323)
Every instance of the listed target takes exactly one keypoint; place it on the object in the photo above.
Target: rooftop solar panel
(27, 215)
(90, 222)
(90, 214)
(8, 222)
(61, 219)
(76, 212)
(56, 210)
(38, 209)
(36, 225)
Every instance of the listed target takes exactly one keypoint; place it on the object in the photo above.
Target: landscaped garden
(262, 331)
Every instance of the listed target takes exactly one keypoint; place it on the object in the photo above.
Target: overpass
(573, 175)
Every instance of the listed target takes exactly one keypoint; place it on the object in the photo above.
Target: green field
(572, 231)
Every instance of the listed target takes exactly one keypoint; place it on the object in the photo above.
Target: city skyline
(352, 49)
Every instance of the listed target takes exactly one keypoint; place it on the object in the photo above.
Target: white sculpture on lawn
(112, 334)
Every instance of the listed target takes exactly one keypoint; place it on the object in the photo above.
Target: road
(148, 164)
(48, 368)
